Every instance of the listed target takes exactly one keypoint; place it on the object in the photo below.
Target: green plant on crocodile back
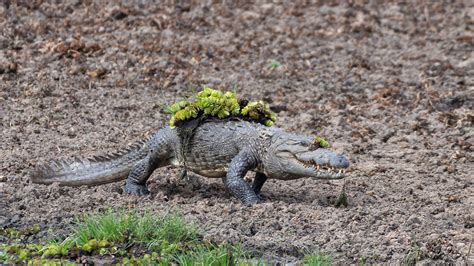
(214, 103)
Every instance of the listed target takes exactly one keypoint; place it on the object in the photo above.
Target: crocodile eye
(313, 146)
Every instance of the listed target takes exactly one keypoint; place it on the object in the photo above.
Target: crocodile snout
(328, 158)
(339, 161)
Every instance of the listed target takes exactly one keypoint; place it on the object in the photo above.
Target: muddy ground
(389, 85)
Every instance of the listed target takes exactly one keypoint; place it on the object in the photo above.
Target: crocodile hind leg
(158, 152)
(234, 180)
(136, 181)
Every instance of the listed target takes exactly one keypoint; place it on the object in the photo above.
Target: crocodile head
(294, 156)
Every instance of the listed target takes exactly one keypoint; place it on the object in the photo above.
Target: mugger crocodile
(225, 149)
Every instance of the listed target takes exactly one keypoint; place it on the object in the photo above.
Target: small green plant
(321, 142)
(317, 259)
(55, 250)
(17, 253)
(259, 111)
(413, 256)
(274, 64)
(16, 233)
(212, 255)
(95, 244)
(147, 259)
(342, 199)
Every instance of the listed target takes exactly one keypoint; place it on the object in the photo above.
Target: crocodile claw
(135, 189)
(252, 201)
(261, 198)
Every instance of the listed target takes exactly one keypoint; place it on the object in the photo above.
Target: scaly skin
(223, 149)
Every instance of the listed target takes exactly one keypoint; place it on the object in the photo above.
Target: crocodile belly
(215, 170)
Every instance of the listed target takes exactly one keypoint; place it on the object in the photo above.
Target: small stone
(119, 14)
(276, 226)
(250, 15)
(8, 67)
(414, 220)
(71, 133)
(3, 178)
(266, 8)
(370, 193)
(15, 219)
(450, 169)
(98, 73)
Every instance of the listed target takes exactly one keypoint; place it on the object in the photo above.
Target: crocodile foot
(252, 201)
(261, 198)
(135, 189)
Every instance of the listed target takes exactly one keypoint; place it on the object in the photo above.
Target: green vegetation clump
(274, 64)
(414, 255)
(22, 253)
(317, 259)
(12, 232)
(214, 103)
(164, 240)
(156, 233)
(321, 142)
(259, 111)
(132, 238)
(342, 199)
(209, 102)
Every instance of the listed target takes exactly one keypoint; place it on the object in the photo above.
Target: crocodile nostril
(344, 162)
(340, 162)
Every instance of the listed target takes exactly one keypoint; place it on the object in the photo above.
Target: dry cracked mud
(390, 85)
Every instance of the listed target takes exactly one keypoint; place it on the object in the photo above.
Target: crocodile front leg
(257, 184)
(234, 180)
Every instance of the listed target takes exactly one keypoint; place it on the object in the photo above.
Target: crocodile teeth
(317, 167)
(340, 171)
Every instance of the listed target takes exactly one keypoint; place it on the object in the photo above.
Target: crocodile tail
(91, 171)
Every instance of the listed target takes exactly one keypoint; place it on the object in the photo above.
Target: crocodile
(226, 149)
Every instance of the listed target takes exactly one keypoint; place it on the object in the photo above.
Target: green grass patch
(132, 238)
(317, 259)
(274, 64)
(414, 255)
(133, 228)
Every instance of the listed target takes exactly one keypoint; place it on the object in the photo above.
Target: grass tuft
(414, 255)
(274, 64)
(212, 255)
(317, 259)
(134, 228)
